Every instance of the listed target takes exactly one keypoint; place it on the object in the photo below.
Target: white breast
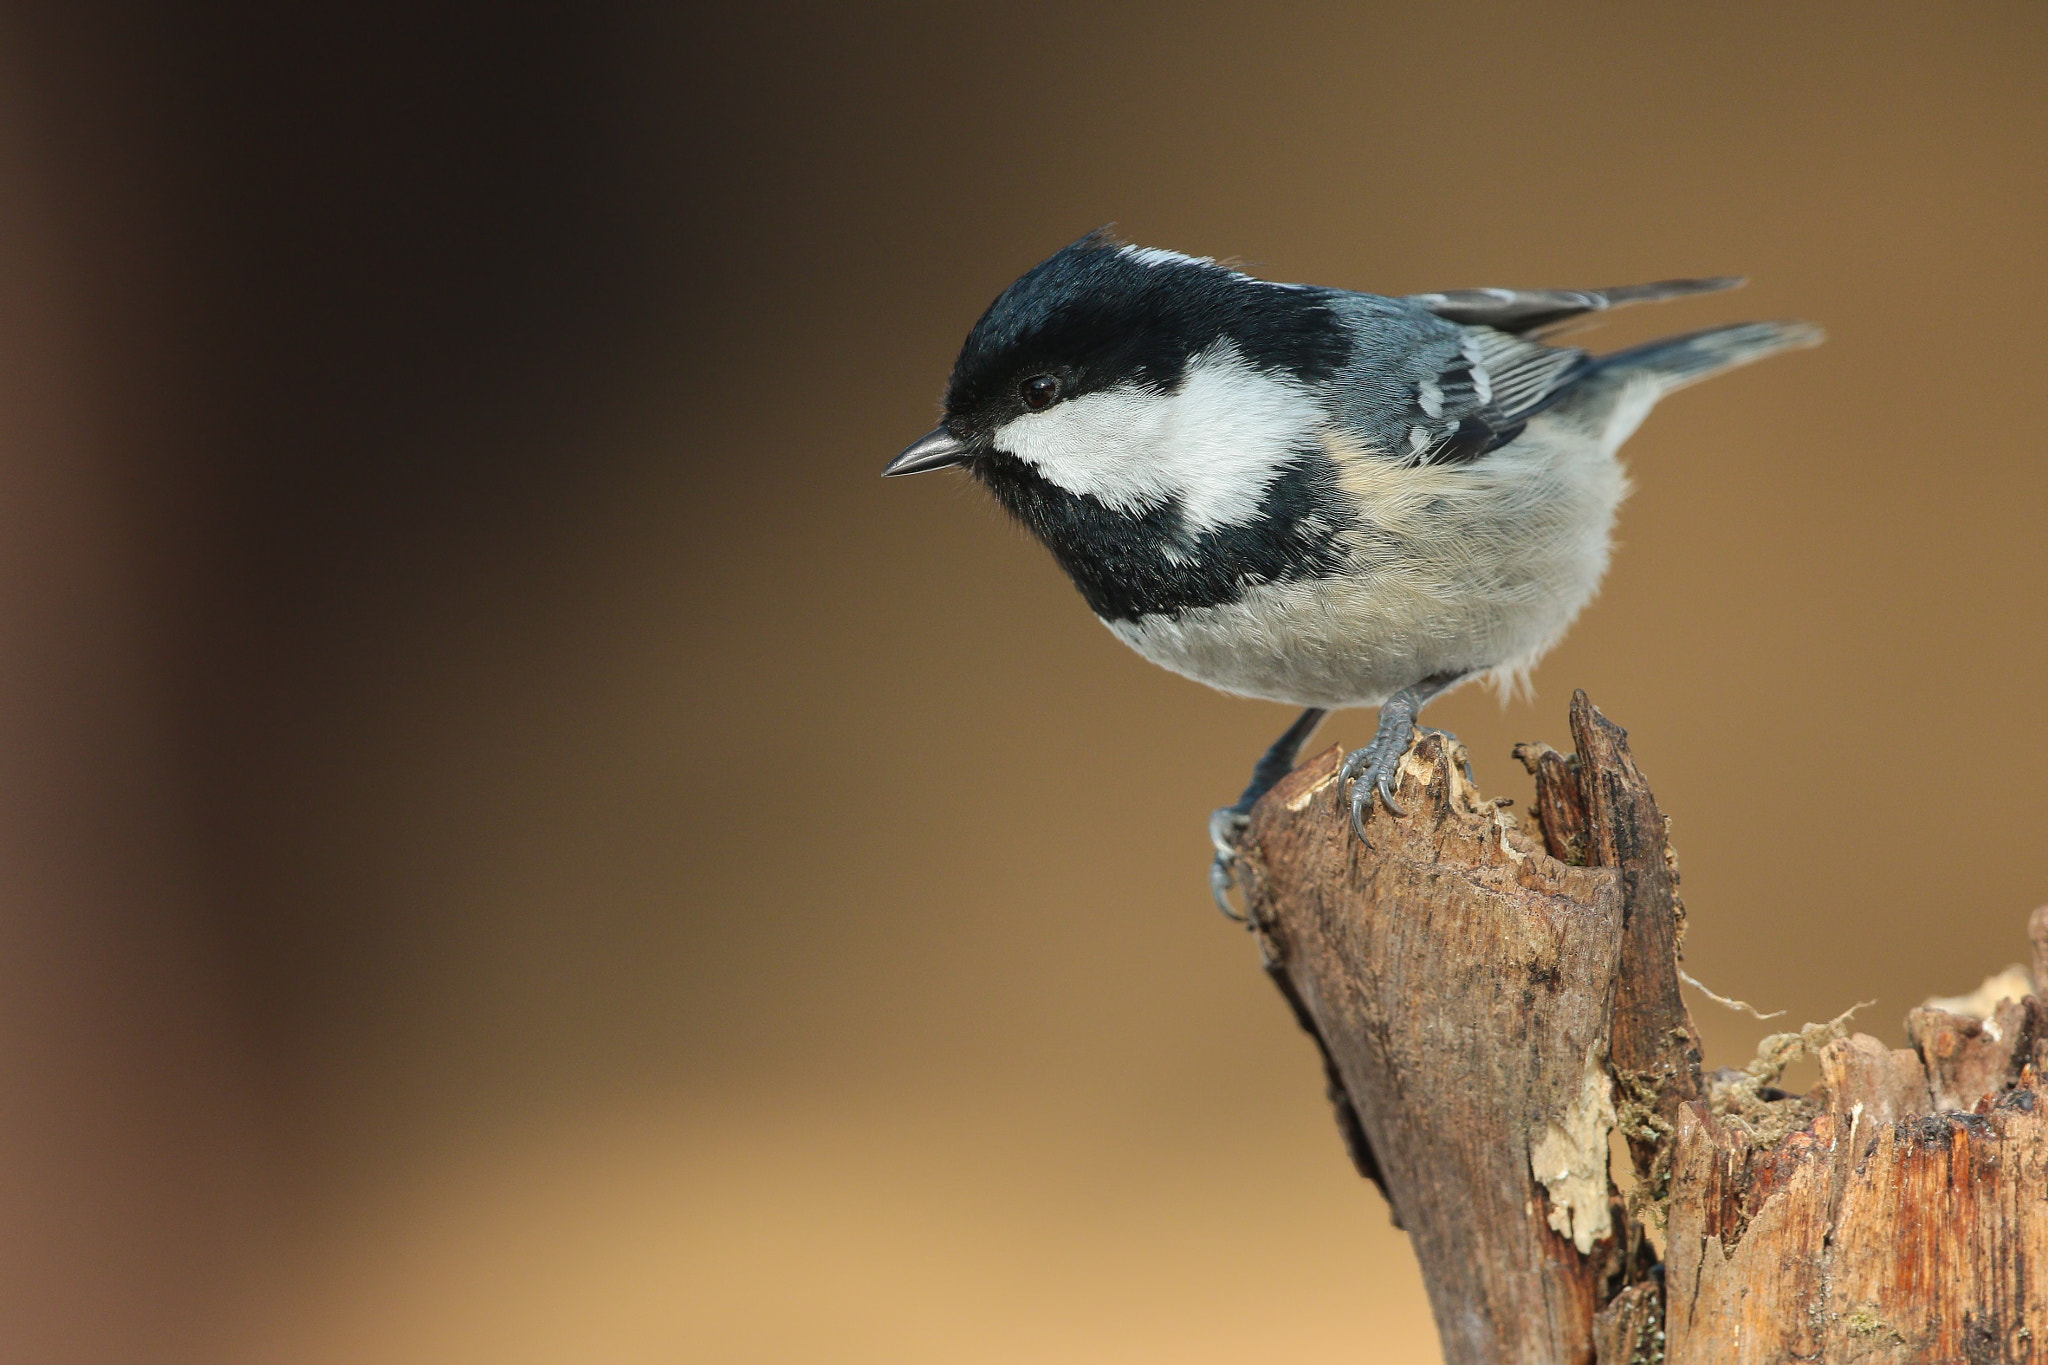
(1474, 568)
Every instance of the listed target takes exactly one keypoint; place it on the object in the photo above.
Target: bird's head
(1138, 377)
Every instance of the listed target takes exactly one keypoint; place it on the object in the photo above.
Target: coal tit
(1310, 495)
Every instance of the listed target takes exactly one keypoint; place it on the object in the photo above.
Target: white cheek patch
(1215, 443)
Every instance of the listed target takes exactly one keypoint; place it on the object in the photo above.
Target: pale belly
(1335, 643)
(1475, 569)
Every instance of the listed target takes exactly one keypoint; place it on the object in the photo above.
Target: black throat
(1133, 564)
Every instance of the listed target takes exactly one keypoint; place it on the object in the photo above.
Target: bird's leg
(1376, 767)
(1228, 822)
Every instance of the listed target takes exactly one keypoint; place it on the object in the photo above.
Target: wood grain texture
(1493, 1003)
(1656, 1050)
(1459, 976)
(1918, 1240)
(1560, 809)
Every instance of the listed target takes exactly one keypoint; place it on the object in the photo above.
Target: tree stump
(1499, 1014)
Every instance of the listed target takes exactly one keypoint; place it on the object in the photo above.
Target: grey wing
(1524, 311)
(1476, 397)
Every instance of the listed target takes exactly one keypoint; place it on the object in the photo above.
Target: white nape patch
(1153, 255)
(1216, 443)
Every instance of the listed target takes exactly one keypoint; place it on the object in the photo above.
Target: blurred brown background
(517, 846)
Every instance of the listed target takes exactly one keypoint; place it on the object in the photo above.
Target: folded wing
(1523, 311)
(1478, 398)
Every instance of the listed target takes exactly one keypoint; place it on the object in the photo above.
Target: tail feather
(1681, 360)
(1528, 311)
(1625, 294)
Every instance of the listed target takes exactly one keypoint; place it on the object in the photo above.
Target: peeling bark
(1492, 1003)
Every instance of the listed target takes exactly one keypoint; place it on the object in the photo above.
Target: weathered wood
(1967, 1057)
(1459, 976)
(1560, 809)
(1356, 1144)
(1630, 1330)
(1861, 1076)
(2037, 933)
(1905, 1222)
(1919, 1240)
(1491, 1006)
(1656, 1050)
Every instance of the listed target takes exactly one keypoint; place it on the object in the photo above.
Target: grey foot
(1228, 822)
(1376, 769)
(1225, 824)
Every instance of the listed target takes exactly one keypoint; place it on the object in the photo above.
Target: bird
(1312, 495)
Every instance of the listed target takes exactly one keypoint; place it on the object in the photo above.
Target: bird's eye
(1040, 391)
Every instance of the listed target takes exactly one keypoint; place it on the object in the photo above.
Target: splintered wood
(1494, 1003)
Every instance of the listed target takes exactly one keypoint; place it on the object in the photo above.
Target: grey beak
(936, 449)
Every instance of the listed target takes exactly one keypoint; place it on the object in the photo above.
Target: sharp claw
(1361, 797)
(1220, 882)
(1223, 823)
(1387, 795)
